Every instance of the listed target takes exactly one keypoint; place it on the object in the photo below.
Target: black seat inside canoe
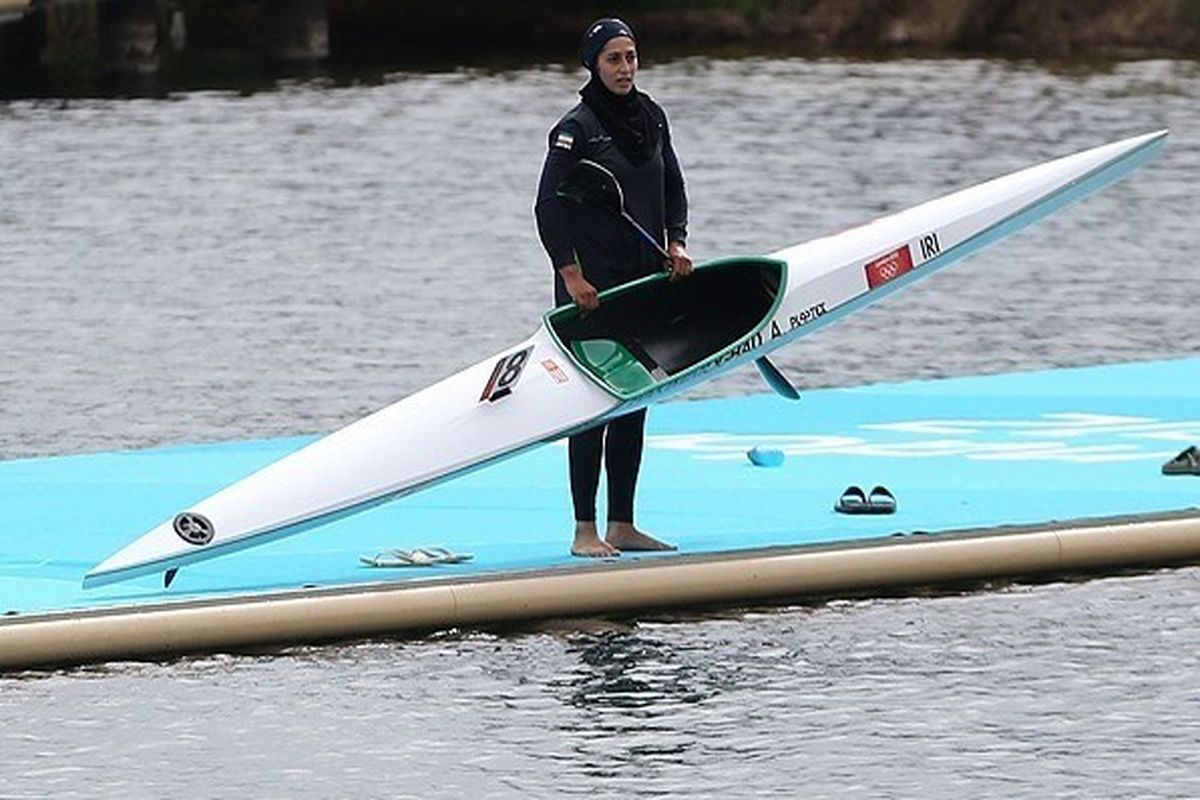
(669, 327)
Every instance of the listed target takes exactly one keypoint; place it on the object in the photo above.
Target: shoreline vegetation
(1111, 29)
(73, 45)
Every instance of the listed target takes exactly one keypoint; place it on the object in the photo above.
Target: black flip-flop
(855, 501)
(881, 501)
(1186, 463)
(852, 501)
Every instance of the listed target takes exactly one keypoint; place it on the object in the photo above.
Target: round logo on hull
(193, 528)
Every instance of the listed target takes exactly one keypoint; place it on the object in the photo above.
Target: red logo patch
(888, 267)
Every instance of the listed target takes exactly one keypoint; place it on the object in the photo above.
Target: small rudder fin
(776, 379)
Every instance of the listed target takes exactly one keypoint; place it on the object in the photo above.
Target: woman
(592, 250)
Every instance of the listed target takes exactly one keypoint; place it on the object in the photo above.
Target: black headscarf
(630, 119)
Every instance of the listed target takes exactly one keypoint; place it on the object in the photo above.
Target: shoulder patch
(564, 140)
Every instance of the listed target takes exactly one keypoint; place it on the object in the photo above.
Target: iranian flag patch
(564, 140)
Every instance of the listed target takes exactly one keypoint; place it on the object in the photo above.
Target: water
(216, 266)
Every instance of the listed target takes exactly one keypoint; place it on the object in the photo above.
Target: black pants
(620, 442)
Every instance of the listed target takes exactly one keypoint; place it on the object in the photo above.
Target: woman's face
(617, 64)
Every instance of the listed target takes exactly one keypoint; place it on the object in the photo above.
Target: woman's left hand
(680, 263)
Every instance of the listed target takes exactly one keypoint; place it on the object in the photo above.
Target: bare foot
(589, 544)
(627, 537)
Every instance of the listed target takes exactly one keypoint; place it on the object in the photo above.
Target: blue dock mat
(980, 452)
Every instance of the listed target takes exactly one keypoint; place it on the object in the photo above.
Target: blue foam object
(765, 456)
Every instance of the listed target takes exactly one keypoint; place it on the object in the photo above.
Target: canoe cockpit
(653, 330)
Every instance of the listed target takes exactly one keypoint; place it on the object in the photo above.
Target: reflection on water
(1081, 689)
(222, 266)
(627, 670)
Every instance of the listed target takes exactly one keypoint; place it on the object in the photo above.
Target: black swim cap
(597, 35)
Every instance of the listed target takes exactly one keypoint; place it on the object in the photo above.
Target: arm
(551, 213)
(676, 208)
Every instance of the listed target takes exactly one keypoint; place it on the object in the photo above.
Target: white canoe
(649, 340)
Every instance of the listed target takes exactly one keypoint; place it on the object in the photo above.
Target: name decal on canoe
(739, 349)
(799, 320)
(505, 375)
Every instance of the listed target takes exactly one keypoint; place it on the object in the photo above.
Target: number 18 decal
(504, 376)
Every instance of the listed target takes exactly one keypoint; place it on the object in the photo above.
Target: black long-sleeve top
(605, 246)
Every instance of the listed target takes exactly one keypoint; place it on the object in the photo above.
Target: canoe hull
(649, 341)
